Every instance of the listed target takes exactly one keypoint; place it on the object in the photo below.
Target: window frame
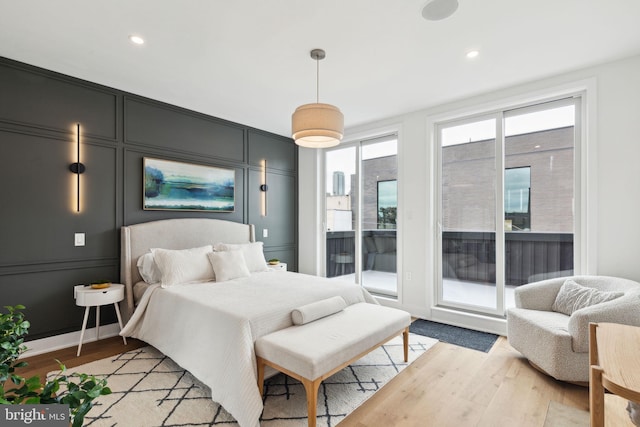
(358, 142)
(585, 226)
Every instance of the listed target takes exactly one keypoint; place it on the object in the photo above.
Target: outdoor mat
(475, 340)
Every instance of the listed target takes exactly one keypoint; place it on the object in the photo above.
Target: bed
(210, 327)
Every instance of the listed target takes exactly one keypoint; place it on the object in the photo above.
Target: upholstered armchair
(552, 331)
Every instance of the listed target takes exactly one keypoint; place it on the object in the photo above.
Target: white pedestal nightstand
(281, 266)
(88, 297)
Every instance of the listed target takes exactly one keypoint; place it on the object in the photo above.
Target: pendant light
(317, 125)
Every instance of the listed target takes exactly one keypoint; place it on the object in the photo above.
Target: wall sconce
(264, 187)
(77, 167)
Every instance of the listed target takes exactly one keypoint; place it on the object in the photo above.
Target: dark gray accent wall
(39, 264)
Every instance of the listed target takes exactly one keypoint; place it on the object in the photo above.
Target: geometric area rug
(151, 390)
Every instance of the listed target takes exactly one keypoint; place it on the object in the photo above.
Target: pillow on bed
(183, 266)
(228, 265)
(148, 269)
(253, 255)
(317, 310)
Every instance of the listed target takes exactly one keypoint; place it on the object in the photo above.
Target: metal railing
(466, 255)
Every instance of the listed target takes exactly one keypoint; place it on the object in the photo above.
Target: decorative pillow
(148, 269)
(573, 296)
(317, 310)
(253, 254)
(228, 265)
(183, 266)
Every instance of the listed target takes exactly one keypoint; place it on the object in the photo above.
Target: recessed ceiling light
(472, 54)
(136, 39)
(435, 10)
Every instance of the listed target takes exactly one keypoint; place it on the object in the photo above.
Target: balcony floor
(459, 291)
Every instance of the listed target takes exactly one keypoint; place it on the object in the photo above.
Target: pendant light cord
(317, 80)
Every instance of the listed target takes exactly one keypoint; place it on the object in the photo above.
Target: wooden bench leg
(405, 342)
(312, 399)
(311, 386)
(260, 366)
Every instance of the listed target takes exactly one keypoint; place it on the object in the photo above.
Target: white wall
(619, 169)
(615, 135)
(309, 219)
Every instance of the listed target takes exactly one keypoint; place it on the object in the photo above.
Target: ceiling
(248, 60)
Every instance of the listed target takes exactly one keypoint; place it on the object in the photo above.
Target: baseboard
(469, 320)
(71, 339)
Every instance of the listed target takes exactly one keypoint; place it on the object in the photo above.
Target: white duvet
(210, 328)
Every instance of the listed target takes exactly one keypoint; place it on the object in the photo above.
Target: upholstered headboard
(186, 233)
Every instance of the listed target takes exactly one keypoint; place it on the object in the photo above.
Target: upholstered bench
(314, 351)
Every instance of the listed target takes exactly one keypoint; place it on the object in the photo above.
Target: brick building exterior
(468, 175)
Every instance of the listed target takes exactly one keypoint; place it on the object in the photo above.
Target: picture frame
(172, 185)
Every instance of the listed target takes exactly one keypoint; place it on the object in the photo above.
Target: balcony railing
(468, 256)
(378, 251)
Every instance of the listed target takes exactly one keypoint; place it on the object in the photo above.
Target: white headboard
(185, 233)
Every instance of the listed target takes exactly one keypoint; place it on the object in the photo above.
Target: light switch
(78, 239)
(265, 232)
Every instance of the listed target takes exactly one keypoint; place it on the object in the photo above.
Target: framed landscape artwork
(170, 185)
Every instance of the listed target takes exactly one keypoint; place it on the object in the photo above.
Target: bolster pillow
(317, 310)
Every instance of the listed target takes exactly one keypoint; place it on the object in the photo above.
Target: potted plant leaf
(76, 390)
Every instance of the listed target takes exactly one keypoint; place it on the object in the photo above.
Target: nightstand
(88, 297)
(281, 266)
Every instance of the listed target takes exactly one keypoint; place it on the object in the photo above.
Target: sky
(514, 125)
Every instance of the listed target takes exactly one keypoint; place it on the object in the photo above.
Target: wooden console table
(615, 366)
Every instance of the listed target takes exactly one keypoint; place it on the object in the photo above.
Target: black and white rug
(475, 340)
(150, 390)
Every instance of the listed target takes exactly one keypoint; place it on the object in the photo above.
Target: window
(361, 213)
(387, 203)
(517, 211)
(506, 202)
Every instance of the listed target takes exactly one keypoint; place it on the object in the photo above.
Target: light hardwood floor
(447, 386)
(454, 386)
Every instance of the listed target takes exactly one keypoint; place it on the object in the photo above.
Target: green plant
(387, 217)
(76, 390)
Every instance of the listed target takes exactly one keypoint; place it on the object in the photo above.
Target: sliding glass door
(340, 212)
(468, 214)
(507, 197)
(378, 224)
(361, 213)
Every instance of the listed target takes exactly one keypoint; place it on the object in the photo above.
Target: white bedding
(210, 328)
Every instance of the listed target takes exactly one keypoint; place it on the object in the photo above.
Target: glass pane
(340, 216)
(468, 214)
(379, 210)
(539, 222)
(517, 211)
